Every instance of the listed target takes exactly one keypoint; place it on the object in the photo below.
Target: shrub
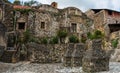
(96, 35)
(44, 41)
(54, 40)
(35, 40)
(73, 39)
(114, 43)
(62, 33)
(26, 37)
(89, 35)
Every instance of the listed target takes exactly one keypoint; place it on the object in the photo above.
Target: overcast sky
(84, 4)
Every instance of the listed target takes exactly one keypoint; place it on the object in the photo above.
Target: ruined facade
(105, 20)
(46, 20)
(6, 21)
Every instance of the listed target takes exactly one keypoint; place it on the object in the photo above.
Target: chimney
(54, 4)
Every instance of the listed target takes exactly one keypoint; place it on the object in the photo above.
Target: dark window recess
(42, 25)
(116, 21)
(74, 27)
(114, 27)
(54, 5)
(21, 26)
(110, 12)
(11, 40)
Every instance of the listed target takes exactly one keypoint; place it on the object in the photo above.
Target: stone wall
(39, 53)
(103, 17)
(95, 58)
(50, 26)
(8, 17)
(49, 8)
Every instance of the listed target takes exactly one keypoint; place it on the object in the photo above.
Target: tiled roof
(21, 7)
(105, 9)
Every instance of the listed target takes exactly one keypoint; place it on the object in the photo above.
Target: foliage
(62, 33)
(73, 39)
(31, 3)
(96, 35)
(17, 2)
(26, 36)
(24, 11)
(25, 39)
(89, 35)
(54, 40)
(114, 42)
(44, 41)
(35, 40)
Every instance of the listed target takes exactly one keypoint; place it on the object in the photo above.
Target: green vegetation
(96, 35)
(62, 34)
(17, 2)
(25, 39)
(31, 3)
(44, 41)
(26, 3)
(90, 35)
(24, 11)
(73, 39)
(54, 40)
(114, 43)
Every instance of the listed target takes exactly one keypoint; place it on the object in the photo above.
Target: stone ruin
(67, 60)
(74, 54)
(78, 55)
(95, 58)
(40, 53)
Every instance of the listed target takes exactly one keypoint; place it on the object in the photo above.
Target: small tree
(17, 2)
(31, 2)
(26, 36)
(73, 39)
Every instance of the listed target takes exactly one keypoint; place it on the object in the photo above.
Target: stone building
(105, 20)
(45, 20)
(6, 20)
(49, 19)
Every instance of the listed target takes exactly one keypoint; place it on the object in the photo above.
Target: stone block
(78, 55)
(67, 60)
(95, 59)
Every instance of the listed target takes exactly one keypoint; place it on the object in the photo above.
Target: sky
(84, 5)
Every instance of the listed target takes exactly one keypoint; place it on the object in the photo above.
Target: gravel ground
(27, 67)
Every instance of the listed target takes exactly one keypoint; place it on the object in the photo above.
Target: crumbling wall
(46, 53)
(45, 7)
(50, 26)
(8, 17)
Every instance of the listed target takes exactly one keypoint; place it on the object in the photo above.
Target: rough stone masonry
(95, 58)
